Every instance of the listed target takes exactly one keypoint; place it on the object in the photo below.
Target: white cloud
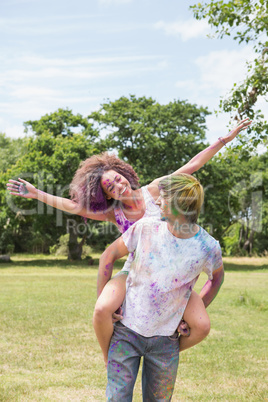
(190, 84)
(217, 126)
(114, 1)
(32, 68)
(263, 105)
(217, 72)
(75, 74)
(185, 29)
(214, 78)
(163, 65)
(15, 2)
(83, 61)
(221, 69)
(23, 92)
(31, 86)
(57, 25)
(14, 131)
(23, 110)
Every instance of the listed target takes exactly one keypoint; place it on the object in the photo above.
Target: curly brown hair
(85, 188)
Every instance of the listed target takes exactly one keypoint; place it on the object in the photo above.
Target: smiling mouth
(123, 191)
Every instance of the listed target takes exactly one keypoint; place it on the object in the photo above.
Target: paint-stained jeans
(160, 364)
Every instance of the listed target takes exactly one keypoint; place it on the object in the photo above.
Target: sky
(77, 54)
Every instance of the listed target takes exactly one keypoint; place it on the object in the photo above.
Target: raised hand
(242, 125)
(22, 188)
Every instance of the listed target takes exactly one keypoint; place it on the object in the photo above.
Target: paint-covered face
(115, 185)
(164, 207)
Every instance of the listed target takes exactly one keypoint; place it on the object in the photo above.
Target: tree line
(156, 140)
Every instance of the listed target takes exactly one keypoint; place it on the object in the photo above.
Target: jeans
(160, 364)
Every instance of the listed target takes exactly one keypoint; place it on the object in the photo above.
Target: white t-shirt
(151, 211)
(162, 275)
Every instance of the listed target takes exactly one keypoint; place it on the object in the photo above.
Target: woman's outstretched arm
(23, 188)
(204, 156)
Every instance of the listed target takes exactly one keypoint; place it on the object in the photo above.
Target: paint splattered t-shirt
(151, 211)
(162, 275)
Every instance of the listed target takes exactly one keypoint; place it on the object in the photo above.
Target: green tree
(158, 139)
(155, 139)
(247, 22)
(248, 204)
(10, 150)
(50, 163)
(62, 122)
(236, 202)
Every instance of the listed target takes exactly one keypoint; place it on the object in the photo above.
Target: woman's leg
(197, 318)
(108, 302)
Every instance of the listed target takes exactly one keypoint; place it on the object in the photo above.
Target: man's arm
(115, 251)
(211, 287)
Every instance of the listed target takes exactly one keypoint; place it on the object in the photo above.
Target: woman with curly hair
(106, 188)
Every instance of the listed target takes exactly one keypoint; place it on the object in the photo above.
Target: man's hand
(117, 315)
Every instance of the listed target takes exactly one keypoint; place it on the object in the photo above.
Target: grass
(48, 350)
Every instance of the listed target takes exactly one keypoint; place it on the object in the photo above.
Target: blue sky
(76, 54)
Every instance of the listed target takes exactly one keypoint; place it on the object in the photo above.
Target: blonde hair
(185, 195)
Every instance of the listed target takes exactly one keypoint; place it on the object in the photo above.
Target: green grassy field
(48, 350)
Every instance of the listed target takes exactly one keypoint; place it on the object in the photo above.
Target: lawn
(48, 350)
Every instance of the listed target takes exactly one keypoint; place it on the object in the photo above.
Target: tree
(11, 150)
(155, 139)
(158, 139)
(50, 163)
(248, 204)
(247, 22)
(62, 122)
(236, 202)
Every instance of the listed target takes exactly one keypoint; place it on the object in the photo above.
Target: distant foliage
(246, 21)
(156, 139)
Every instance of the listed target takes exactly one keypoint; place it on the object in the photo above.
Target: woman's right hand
(22, 188)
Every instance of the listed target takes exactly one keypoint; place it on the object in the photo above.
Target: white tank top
(151, 211)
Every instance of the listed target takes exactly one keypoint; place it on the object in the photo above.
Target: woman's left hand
(242, 125)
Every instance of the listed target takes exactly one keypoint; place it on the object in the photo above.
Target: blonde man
(169, 255)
